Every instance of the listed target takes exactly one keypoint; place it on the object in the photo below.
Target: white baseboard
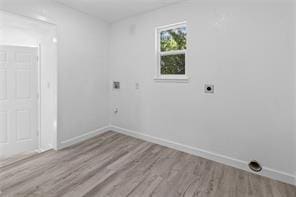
(85, 136)
(267, 172)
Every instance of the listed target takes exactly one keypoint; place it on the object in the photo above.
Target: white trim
(175, 52)
(80, 138)
(243, 165)
(39, 97)
(172, 26)
(172, 78)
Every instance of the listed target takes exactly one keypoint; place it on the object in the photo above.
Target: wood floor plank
(64, 173)
(116, 165)
(42, 167)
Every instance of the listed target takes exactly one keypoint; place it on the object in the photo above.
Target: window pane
(173, 64)
(173, 39)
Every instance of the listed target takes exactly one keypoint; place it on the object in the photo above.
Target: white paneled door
(18, 100)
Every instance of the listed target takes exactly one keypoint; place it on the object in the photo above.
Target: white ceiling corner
(114, 10)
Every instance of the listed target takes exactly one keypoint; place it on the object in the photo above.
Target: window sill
(172, 80)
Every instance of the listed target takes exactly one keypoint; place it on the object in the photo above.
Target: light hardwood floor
(113, 164)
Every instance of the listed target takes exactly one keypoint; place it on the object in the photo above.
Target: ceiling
(114, 10)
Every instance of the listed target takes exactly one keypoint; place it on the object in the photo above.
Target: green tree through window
(172, 51)
(174, 39)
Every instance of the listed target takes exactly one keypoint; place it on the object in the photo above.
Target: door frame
(47, 117)
(39, 131)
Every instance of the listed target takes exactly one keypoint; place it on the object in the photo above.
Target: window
(171, 52)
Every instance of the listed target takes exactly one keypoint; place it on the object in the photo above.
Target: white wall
(82, 78)
(245, 50)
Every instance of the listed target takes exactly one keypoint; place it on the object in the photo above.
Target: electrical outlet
(209, 89)
(116, 85)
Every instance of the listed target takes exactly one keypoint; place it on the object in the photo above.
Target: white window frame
(159, 54)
